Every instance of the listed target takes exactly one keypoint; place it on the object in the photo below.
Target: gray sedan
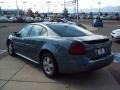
(60, 47)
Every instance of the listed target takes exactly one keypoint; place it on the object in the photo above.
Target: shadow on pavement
(97, 78)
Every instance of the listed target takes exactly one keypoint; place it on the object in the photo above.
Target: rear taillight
(77, 49)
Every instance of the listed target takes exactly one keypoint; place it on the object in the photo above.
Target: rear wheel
(49, 65)
(11, 49)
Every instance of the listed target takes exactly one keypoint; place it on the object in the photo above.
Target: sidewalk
(19, 74)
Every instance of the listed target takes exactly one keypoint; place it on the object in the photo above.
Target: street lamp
(48, 2)
(17, 8)
(77, 12)
(99, 3)
(24, 5)
(1, 7)
(64, 4)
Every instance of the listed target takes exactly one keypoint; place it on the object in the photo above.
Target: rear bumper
(98, 24)
(77, 66)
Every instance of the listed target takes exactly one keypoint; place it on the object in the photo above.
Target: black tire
(54, 69)
(10, 49)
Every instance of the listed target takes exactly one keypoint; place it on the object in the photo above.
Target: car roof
(51, 23)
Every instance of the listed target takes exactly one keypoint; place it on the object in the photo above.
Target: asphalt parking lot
(19, 74)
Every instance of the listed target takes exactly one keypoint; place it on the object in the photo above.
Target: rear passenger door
(35, 41)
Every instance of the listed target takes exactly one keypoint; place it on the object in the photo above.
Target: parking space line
(117, 57)
(2, 51)
(12, 76)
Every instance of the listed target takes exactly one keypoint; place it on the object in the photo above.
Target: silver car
(60, 47)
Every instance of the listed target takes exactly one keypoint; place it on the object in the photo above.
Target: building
(11, 12)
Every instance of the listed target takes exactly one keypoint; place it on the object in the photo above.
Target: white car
(29, 19)
(37, 19)
(12, 19)
(3, 19)
(115, 34)
(66, 21)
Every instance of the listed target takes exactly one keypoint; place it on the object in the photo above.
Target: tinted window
(38, 31)
(25, 31)
(66, 30)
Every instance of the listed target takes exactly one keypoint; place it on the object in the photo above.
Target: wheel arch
(42, 52)
(8, 41)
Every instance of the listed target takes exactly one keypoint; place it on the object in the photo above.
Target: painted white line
(116, 61)
(117, 57)
(2, 51)
(117, 25)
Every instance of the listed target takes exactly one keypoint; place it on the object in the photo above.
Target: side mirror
(17, 34)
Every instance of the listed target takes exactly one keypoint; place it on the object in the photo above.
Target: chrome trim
(93, 61)
(27, 58)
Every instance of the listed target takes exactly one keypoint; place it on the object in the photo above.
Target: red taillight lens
(77, 49)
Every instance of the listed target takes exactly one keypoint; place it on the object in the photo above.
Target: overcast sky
(56, 5)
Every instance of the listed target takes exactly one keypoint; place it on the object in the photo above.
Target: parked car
(38, 19)
(115, 34)
(20, 19)
(29, 19)
(66, 21)
(12, 19)
(60, 47)
(3, 19)
(47, 19)
(97, 22)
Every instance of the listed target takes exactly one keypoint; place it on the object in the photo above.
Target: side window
(37, 31)
(44, 32)
(25, 31)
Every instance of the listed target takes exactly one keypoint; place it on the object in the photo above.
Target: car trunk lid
(97, 46)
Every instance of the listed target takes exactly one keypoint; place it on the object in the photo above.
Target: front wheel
(49, 65)
(10, 49)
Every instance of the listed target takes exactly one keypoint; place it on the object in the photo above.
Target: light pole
(77, 12)
(99, 3)
(48, 2)
(64, 4)
(24, 6)
(1, 7)
(17, 8)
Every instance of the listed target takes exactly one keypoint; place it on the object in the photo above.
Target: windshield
(65, 30)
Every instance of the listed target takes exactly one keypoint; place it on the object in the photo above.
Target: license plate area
(100, 51)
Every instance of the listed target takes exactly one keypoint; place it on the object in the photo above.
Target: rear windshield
(65, 30)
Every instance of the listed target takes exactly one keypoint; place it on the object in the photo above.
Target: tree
(30, 12)
(37, 14)
(65, 13)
